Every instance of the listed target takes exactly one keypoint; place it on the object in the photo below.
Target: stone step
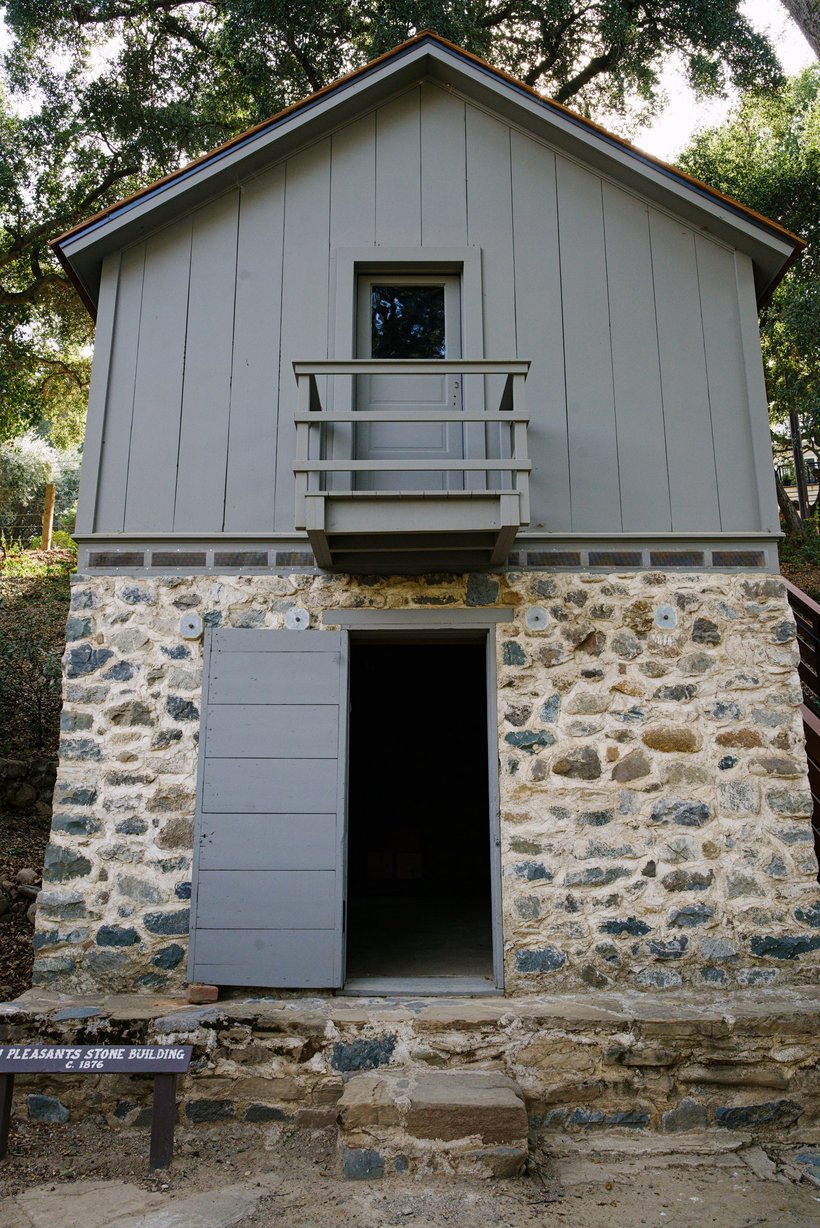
(447, 1121)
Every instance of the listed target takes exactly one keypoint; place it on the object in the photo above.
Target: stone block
(265, 1112)
(670, 739)
(198, 994)
(364, 1054)
(735, 1074)
(48, 1109)
(445, 1105)
(199, 1111)
(781, 1113)
(689, 1114)
(362, 1164)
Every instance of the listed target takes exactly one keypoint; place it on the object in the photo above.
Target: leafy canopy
(767, 155)
(103, 95)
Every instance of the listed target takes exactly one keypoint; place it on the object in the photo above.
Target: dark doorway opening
(418, 865)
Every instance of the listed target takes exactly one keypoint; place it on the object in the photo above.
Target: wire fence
(20, 528)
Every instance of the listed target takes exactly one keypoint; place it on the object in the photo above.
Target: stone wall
(689, 1060)
(655, 807)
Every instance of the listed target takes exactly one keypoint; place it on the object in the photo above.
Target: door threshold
(420, 987)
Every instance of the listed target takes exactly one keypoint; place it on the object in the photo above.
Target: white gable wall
(646, 392)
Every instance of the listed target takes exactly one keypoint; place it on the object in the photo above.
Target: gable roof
(81, 250)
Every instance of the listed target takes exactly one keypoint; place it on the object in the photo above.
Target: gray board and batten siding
(646, 394)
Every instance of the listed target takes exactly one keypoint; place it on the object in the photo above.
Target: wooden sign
(94, 1059)
(164, 1062)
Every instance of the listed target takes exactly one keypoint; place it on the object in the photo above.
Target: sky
(670, 130)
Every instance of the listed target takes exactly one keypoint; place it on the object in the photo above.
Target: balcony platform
(411, 531)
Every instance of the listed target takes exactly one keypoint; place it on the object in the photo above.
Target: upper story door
(408, 316)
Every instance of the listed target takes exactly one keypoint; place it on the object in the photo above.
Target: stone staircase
(471, 1122)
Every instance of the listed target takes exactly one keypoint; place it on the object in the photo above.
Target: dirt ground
(23, 839)
(289, 1177)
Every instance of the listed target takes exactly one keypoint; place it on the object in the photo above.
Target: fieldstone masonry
(655, 807)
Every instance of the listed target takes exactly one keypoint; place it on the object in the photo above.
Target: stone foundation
(655, 811)
(673, 1062)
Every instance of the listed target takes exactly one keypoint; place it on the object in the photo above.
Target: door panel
(408, 317)
(268, 893)
(302, 958)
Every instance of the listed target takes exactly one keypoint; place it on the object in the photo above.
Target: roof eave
(81, 249)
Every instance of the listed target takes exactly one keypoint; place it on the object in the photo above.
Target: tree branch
(793, 524)
(598, 65)
(17, 298)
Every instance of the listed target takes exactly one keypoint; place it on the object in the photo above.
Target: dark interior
(418, 870)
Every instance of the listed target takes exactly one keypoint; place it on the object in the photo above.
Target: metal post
(6, 1093)
(162, 1121)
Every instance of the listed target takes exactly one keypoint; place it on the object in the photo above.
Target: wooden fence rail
(807, 617)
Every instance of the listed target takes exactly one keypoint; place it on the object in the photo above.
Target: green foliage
(104, 95)
(768, 156)
(26, 465)
(32, 636)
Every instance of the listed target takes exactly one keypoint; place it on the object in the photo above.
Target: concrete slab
(117, 1204)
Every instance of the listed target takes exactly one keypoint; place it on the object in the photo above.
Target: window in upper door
(409, 317)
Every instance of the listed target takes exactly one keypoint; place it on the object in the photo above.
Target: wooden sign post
(48, 517)
(164, 1062)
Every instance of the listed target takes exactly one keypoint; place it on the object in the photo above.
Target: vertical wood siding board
(304, 302)
(255, 361)
(98, 396)
(206, 393)
(590, 395)
(154, 452)
(115, 458)
(559, 237)
(692, 481)
(184, 365)
(353, 184)
(232, 357)
(352, 225)
(398, 171)
(635, 365)
(539, 328)
(731, 423)
(758, 409)
(620, 517)
(709, 390)
(443, 169)
(489, 222)
(657, 339)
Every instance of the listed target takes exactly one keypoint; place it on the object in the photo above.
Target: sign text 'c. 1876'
(94, 1059)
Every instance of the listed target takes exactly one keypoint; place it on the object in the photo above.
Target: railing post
(302, 449)
(519, 447)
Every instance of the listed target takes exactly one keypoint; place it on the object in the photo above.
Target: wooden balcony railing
(481, 496)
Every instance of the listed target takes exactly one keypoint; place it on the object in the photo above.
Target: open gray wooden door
(268, 895)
